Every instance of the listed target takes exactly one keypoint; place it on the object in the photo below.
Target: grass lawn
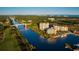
(9, 42)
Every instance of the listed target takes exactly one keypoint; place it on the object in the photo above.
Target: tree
(1, 27)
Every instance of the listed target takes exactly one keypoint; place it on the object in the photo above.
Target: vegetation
(35, 28)
(9, 42)
(23, 43)
(69, 22)
(12, 40)
(1, 32)
(58, 20)
(34, 18)
(10, 37)
(1, 27)
(3, 18)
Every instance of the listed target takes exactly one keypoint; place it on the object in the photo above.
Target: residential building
(43, 26)
(64, 28)
(52, 19)
(23, 21)
(29, 21)
(57, 28)
(51, 31)
(61, 28)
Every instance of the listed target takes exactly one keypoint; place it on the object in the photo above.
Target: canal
(42, 44)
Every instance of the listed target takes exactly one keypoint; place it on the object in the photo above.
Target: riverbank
(23, 43)
(9, 43)
(13, 41)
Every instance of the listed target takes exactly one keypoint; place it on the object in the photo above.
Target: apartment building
(43, 26)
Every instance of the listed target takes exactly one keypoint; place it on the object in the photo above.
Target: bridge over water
(15, 23)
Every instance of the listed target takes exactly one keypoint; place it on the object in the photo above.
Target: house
(23, 21)
(27, 25)
(76, 32)
(29, 21)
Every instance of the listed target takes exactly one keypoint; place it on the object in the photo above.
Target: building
(52, 19)
(43, 26)
(57, 28)
(64, 28)
(29, 21)
(61, 28)
(23, 21)
(76, 32)
(51, 31)
(27, 25)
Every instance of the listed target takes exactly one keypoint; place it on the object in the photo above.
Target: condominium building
(51, 31)
(43, 26)
(61, 28)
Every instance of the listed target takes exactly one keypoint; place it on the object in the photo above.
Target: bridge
(15, 23)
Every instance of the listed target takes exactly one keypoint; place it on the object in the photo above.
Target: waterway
(42, 44)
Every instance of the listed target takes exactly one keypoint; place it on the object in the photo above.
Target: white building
(57, 28)
(61, 28)
(29, 21)
(43, 26)
(64, 28)
(51, 31)
(52, 19)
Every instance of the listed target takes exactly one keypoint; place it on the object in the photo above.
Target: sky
(39, 10)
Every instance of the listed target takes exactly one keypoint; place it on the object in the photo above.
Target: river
(42, 44)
